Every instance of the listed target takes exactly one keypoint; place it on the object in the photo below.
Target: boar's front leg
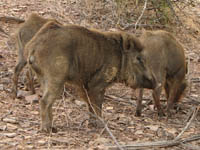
(96, 90)
(156, 96)
(139, 103)
(51, 91)
(94, 100)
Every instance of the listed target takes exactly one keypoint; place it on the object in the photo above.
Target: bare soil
(19, 118)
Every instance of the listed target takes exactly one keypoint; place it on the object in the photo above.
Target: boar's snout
(149, 80)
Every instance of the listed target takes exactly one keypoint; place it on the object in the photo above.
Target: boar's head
(135, 72)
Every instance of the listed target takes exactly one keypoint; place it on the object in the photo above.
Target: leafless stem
(112, 97)
(145, 5)
(196, 109)
(172, 9)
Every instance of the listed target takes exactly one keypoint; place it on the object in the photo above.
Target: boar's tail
(186, 67)
(32, 63)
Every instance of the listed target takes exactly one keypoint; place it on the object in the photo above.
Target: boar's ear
(146, 33)
(138, 45)
(131, 43)
(53, 25)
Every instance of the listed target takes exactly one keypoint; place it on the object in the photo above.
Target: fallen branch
(158, 144)
(175, 142)
(8, 19)
(115, 98)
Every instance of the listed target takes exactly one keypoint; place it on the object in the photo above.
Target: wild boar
(24, 34)
(165, 57)
(89, 59)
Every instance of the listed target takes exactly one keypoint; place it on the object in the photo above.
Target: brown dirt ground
(19, 118)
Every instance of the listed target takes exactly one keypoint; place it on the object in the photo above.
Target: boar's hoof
(169, 114)
(14, 95)
(95, 123)
(161, 113)
(48, 129)
(177, 107)
(138, 113)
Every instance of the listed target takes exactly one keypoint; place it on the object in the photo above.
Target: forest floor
(19, 118)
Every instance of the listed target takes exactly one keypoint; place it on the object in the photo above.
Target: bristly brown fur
(90, 59)
(23, 35)
(165, 56)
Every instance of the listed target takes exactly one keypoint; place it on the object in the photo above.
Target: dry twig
(145, 5)
(124, 100)
(196, 109)
(173, 11)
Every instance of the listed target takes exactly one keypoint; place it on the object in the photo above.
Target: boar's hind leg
(51, 92)
(177, 86)
(18, 68)
(176, 89)
(30, 83)
(180, 91)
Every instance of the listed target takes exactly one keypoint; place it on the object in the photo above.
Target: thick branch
(158, 144)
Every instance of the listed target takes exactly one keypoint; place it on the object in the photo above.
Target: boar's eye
(139, 59)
